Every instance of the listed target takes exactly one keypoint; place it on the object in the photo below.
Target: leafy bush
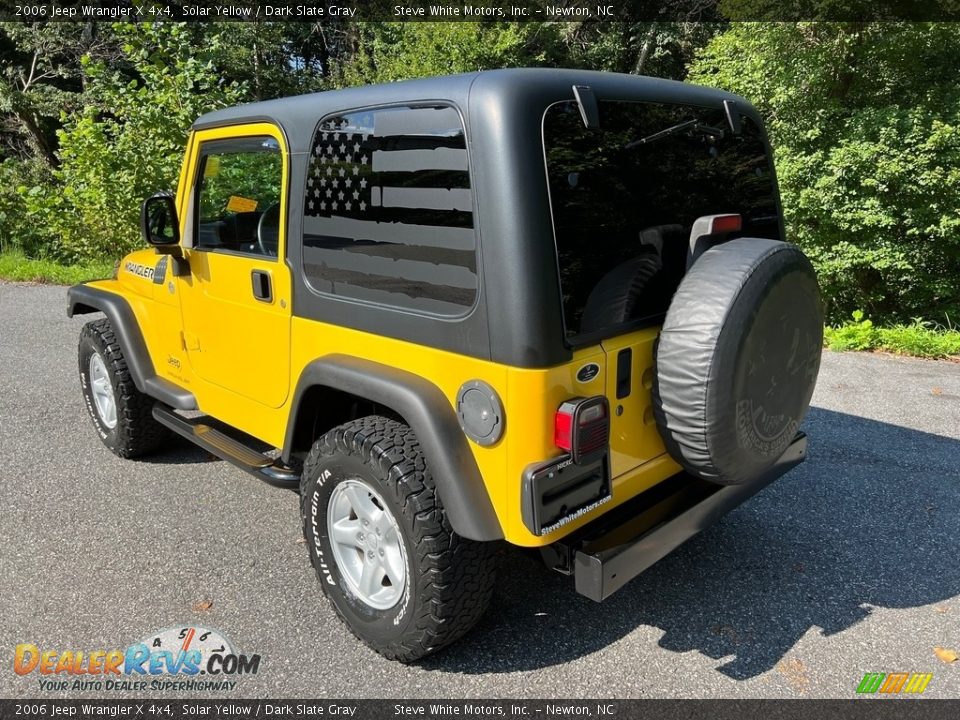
(919, 337)
(126, 141)
(14, 265)
(865, 123)
(857, 335)
(18, 231)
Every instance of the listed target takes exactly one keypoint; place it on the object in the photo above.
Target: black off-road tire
(449, 579)
(136, 433)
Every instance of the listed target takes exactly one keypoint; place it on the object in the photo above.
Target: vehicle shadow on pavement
(179, 451)
(870, 520)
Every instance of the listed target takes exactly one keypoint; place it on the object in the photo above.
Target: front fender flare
(83, 299)
(430, 415)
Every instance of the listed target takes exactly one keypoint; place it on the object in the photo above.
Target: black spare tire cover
(737, 359)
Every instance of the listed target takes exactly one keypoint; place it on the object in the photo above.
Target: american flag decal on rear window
(388, 213)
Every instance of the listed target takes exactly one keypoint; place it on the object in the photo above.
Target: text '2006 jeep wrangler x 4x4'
(543, 306)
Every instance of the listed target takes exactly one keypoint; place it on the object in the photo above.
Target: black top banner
(482, 11)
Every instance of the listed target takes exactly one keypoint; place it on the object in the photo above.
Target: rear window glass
(388, 212)
(625, 198)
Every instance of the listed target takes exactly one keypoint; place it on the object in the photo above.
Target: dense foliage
(917, 337)
(127, 139)
(865, 119)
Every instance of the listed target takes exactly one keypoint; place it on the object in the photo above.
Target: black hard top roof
(301, 112)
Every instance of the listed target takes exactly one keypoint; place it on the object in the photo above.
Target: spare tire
(737, 359)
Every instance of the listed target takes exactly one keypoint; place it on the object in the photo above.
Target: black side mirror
(158, 220)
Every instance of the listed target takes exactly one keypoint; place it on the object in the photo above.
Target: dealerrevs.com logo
(184, 658)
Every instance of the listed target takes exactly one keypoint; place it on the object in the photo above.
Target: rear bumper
(606, 554)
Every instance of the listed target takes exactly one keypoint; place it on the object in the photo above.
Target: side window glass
(388, 213)
(238, 196)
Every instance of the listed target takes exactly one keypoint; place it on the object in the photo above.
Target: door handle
(262, 289)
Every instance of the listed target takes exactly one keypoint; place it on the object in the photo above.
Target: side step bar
(606, 554)
(228, 448)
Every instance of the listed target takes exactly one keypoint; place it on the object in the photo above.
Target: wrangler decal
(138, 269)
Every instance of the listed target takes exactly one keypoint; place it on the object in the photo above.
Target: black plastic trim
(83, 299)
(228, 448)
(624, 371)
(431, 416)
(558, 491)
(170, 201)
(612, 550)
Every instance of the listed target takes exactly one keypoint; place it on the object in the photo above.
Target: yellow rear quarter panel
(530, 397)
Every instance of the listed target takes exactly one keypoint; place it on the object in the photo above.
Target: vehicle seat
(268, 230)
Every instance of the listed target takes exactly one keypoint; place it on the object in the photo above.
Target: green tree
(272, 59)
(40, 79)
(385, 52)
(127, 139)
(865, 122)
(659, 49)
(93, 116)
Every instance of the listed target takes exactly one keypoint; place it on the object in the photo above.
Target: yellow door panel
(236, 298)
(634, 439)
(234, 340)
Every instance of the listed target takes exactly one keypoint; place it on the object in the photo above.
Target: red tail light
(725, 224)
(582, 428)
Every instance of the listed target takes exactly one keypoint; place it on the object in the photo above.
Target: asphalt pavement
(847, 565)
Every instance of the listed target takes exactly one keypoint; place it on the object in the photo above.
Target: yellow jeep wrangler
(548, 307)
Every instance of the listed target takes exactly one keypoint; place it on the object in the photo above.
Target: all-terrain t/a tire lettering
(449, 580)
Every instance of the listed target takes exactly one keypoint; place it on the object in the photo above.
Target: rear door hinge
(189, 341)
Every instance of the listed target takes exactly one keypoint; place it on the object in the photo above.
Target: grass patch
(920, 338)
(17, 266)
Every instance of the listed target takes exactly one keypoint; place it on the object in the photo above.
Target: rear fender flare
(428, 412)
